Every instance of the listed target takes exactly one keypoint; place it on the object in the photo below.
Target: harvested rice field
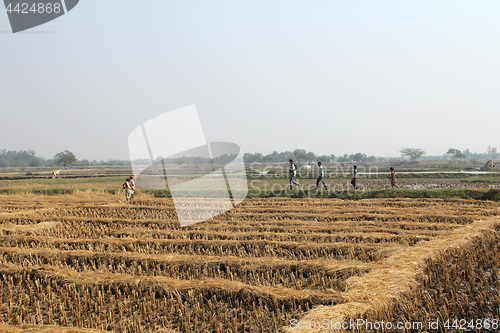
(90, 262)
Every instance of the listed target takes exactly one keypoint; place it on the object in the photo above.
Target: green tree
(250, 158)
(20, 158)
(492, 152)
(412, 153)
(35, 162)
(300, 155)
(343, 158)
(323, 158)
(273, 157)
(358, 157)
(455, 153)
(65, 158)
(467, 153)
(311, 156)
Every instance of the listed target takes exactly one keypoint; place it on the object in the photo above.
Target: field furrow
(94, 263)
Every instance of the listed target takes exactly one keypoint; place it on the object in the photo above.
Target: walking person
(132, 186)
(354, 176)
(128, 189)
(293, 172)
(394, 182)
(321, 174)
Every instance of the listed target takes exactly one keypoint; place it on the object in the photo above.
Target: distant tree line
(301, 155)
(223, 159)
(28, 158)
(491, 153)
(413, 154)
(452, 153)
(23, 158)
(66, 158)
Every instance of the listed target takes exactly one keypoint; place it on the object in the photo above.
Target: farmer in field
(394, 182)
(354, 176)
(293, 172)
(321, 173)
(127, 186)
(132, 185)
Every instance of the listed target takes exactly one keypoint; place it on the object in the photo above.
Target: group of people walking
(293, 173)
(129, 185)
(321, 174)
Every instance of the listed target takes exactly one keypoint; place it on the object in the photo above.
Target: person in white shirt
(354, 176)
(132, 186)
(321, 174)
(293, 172)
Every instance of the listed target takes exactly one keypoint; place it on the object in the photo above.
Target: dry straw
(91, 261)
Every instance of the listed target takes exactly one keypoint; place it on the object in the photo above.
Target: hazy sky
(331, 77)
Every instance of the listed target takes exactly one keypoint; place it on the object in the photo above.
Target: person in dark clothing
(394, 182)
(354, 176)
